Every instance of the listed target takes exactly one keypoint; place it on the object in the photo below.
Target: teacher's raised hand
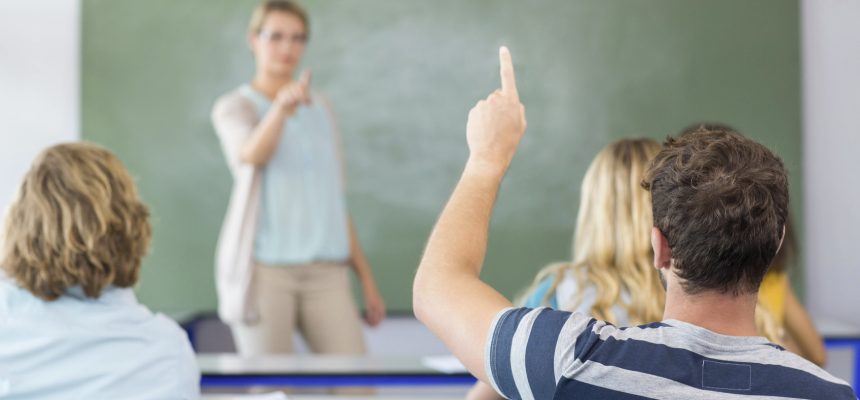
(497, 123)
(294, 93)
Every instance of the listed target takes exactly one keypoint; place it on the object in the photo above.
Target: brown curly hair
(721, 200)
(77, 220)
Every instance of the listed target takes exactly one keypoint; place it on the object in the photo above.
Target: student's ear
(781, 240)
(662, 253)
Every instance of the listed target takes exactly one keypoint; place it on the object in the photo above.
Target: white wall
(39, 82)
(831, 145)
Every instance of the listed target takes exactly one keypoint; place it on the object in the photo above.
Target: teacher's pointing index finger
(509, 83)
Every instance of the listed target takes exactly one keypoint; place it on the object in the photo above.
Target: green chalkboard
(402, 75)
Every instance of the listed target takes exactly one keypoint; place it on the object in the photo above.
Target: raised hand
(497, 123)
(296, 92)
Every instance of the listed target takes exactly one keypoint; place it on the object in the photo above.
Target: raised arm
(448, 295)
(261, 144)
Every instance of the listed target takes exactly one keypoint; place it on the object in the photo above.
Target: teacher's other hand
(375, 307)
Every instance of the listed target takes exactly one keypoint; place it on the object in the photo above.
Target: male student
(720, 203)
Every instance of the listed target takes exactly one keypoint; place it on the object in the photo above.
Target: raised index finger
(509, 83)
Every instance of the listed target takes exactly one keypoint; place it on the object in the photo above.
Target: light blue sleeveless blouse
(303, 215)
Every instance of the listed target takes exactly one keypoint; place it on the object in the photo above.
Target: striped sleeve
(520, 357)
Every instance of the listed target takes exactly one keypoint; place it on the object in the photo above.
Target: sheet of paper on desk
(446, 364)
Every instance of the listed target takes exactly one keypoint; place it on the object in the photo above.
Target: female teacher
(287, 241)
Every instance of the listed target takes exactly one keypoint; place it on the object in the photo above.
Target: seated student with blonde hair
(719, 201)
(612, 275)
(70, 324)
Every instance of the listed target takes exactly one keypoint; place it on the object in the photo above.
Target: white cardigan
(234, 119)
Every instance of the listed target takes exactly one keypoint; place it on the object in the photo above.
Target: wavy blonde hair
(77, 220)
(612, 241)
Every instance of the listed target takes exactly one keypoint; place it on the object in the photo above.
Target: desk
(232, 370)
(330, 397)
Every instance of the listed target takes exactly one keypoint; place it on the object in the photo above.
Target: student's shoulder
(175, 346)
(529, 343)
(8, 292)
(171, 331)
(546, 324)
(799, 372)
(15, 298)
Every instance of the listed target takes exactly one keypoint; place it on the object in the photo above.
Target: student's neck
(269, 84)
(721, 313)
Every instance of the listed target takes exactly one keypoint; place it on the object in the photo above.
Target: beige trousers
(315, 299)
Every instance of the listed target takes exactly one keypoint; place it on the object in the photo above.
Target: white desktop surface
(233, 364)
(331, 397)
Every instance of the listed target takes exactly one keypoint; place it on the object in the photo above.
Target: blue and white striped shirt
(545, 354)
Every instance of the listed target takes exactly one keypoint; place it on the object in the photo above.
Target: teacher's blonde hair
(270, 6)
(77, 220)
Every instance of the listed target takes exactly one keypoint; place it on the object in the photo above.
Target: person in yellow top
(795, 328)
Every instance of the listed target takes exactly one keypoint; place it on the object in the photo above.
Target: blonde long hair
(611, 244)
(77, 220)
